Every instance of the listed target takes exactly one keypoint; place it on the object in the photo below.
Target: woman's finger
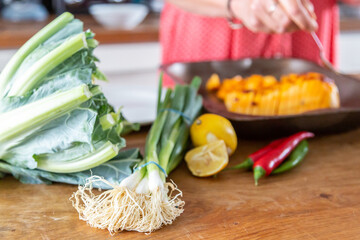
(249, 16)
(310, 8)
(256, 25)
(299, 14)
(286, 24)
(265, 13)
(282, 21)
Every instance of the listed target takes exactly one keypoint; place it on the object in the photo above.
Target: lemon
(207, 160)
(211, 127)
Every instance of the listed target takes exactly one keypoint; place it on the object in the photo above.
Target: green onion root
(144, 201)
(122, 209)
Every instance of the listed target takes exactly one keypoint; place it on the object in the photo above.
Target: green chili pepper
(295, 158)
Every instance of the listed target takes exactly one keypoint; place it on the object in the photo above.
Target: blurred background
(128, 32)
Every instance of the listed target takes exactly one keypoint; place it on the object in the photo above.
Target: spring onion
(144, 201)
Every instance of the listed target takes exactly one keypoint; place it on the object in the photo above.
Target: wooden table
(320, 199)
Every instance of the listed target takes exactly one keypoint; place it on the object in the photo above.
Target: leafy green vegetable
(113, 171)
(52, 115)
(57, 28)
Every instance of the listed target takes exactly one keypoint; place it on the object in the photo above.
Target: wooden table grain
(320, 199)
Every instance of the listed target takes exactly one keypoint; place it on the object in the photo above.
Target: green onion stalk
(145, 201)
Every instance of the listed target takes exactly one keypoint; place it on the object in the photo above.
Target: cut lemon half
(211, 127)
(207, 160)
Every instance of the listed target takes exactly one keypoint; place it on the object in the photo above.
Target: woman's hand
(275, 16)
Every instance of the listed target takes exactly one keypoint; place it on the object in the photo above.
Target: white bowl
(119, 16)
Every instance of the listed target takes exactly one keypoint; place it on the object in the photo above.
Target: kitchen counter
(13, 35)
(319, 199)
(350, 25)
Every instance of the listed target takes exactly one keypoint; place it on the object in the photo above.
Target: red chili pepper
(254, 157)
(268, 162)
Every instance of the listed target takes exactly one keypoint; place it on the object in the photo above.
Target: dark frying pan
(321, 121)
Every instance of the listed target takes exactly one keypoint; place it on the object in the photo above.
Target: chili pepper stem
(258, 173)
(246, 164)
